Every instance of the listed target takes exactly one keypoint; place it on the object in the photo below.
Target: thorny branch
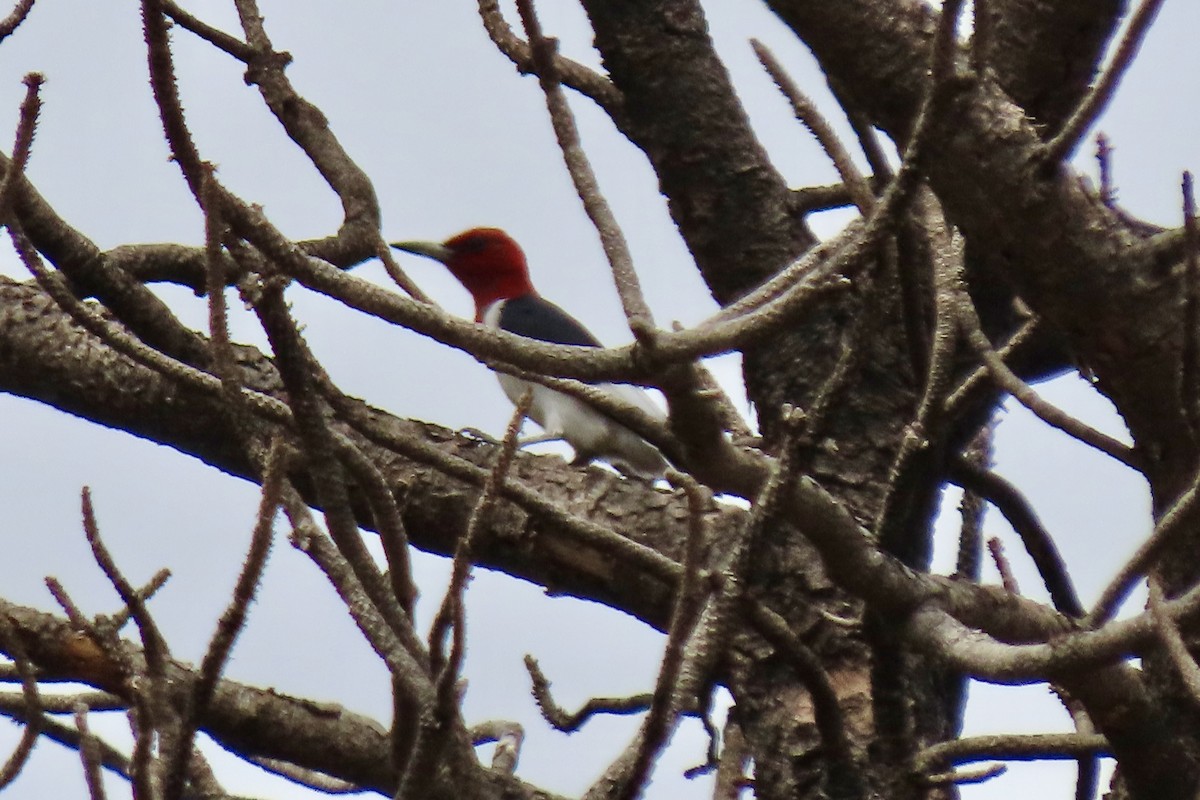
(951, 620)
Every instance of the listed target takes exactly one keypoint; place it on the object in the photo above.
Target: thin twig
(450, 614)
(15, 17)
(868, 140)
(309, 128)
(1173, 642)
(728, 329)
(1169, 524)
(1104, 153)
(968, 389)
(1087, 774)
(809, 115)
(813, 199)
(127, 344)
(156, 582)
(298, 369)
(909, 256)
(981, 37)
(66, 703)
(1189, 378)
(217, 38)
(308, 778)
(231, 622)
(78, 621)
(1007, 578)
(569, 722)
(69, 736)
(973, 507)
(637, 312)
(383, 251)
(1010, 382)
(925, 430)
(844, 768)
(26, 127)
(155, 645)
(150, 717)
(308, 538)
(1069, 649)
(669, 689)
(386, 516)
(89, 754)
(587, 82)
(34, 716)
(1038, 542)
(166, 95)
(708, 647)
(437, 722)
(731, 768)
(508, 737)
(224, 359)
(829, 393)
(1093, 104)
(1011, 747)
(385, 512)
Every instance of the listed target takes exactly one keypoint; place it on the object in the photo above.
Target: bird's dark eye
(472, 244)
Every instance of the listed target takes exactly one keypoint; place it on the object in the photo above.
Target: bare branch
(543, 50)
(672, 689)
(309, 129)
(450, 614)
(309, 539)
(9, 24)
(1173, 642)
(306, 777)
(1026, 396)
(570, 722)
(806, 111)
(217, 38)
(31, 704)
(1011, 747)
(166, 95)
(981, 36)
(845, 769)
(1169, 526)
(1189, 378)
(578, 77)
(508, 737)
(1007, 579)
(231, 622)
(1063, 145)
(1009, 501)
(89, 755)
(27, 124)
(1104, 152)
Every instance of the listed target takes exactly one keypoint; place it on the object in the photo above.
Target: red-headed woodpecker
(490, 265)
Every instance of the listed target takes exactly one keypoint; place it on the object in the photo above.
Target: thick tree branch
(254, 722)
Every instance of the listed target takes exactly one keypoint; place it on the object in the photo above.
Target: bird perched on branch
(491, 266)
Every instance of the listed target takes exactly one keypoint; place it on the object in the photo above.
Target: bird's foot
(477, 435)
(582, 459)
(539, 439)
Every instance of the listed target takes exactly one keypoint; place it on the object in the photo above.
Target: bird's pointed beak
(434, 250)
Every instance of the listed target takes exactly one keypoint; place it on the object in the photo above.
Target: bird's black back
(534, 318)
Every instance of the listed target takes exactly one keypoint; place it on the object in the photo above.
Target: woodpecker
(492, 267)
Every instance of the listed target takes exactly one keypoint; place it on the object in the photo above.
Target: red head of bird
(486, 261)
(492, 268)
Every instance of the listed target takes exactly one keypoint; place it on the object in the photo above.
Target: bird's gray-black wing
(534, 318)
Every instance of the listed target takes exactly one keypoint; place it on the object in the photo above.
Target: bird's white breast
(590, 432)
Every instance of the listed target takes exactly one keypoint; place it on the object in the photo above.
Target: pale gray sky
(452, 138)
